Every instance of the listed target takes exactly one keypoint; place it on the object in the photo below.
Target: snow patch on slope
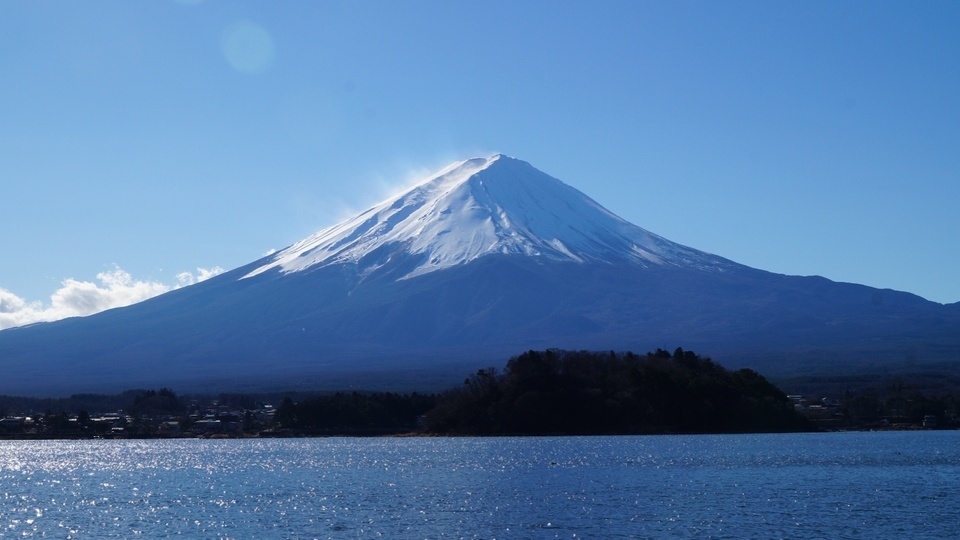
(480, 207)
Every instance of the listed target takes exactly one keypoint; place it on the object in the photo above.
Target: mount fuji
(485, 259)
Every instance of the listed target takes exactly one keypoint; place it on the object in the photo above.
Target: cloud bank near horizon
(75, 298)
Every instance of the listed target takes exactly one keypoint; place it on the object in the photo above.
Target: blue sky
(144, 141)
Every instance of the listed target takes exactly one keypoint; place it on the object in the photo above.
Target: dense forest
(580, 392)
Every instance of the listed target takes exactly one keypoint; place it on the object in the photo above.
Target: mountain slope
(486, 259)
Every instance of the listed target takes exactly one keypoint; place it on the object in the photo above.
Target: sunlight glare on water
(761, 486)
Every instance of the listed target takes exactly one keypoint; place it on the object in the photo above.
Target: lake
(823, 485)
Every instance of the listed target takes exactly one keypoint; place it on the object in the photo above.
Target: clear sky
(140, 141)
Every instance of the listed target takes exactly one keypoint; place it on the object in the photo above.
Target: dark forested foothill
(567, 392)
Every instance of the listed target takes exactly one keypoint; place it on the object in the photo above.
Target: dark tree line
(354, 412)
(580, 392)
(153, 403)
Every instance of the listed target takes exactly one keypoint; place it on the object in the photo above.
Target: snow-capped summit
(480, 207)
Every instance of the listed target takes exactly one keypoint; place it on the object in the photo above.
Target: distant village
(202, 421)
(859, 413)
(142, 414)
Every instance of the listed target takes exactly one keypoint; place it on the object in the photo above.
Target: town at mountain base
(488, 257)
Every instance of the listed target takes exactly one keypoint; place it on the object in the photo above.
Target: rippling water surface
(836, 485)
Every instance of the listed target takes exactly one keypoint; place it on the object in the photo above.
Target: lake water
(830, 485)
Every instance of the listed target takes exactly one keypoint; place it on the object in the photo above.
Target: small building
(207, 426)
(13, 423)
(170, 427)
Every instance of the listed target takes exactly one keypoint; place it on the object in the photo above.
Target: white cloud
(116, 288)
(11, 303)
(203, 274)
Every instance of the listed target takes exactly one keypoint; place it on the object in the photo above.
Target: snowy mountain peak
(480, 207)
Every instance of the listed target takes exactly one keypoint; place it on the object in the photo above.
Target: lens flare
(247, 47)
